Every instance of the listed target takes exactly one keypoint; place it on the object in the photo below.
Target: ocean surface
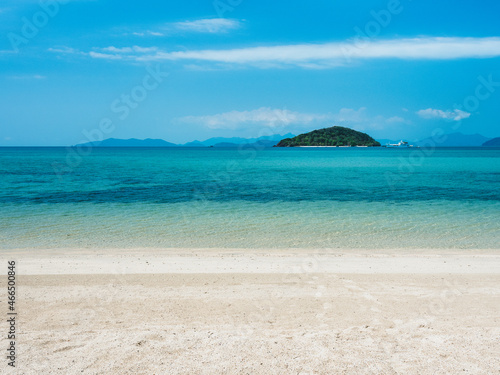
(339, 198)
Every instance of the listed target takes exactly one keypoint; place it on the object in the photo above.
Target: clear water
(274, 198)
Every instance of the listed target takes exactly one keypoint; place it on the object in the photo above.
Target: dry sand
(255, 312)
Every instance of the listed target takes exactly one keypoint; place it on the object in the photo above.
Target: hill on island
(334, 136)
(495, 142)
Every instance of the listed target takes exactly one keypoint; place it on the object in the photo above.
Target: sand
(178, 311)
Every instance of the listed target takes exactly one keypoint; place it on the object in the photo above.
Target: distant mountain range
(132, 142)
(495, 142)
(450, 140)
(455, 140)
(264, 141)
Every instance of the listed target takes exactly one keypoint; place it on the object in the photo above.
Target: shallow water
(273, 198)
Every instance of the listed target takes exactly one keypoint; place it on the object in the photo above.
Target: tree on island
(333, 136)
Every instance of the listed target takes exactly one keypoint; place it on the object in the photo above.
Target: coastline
(280, 261)
(203, 311)
(334, 146)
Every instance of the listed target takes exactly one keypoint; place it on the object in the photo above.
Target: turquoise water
(273, 198)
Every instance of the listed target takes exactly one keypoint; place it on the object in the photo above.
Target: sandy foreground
(180, 311)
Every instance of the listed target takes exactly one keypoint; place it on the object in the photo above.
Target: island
(335, 136)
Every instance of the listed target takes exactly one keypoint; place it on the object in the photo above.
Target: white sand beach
(207, 311)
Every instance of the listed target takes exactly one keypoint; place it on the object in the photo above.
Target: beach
(249, 187)
(285, 261)
(256, 311)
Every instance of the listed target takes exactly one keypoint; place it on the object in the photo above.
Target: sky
(74, 71)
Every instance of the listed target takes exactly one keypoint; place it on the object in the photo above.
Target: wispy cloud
(107, 56)
(327, 55)
(203, 26)
(212, 25)
(66, 51)
(262, 117)
(147, 33)
(119, 53)
(455, 115)
(266, 117)
(134, 49)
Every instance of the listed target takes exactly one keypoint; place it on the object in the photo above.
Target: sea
(273, 198)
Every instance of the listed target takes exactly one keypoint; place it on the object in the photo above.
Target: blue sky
(78, 70)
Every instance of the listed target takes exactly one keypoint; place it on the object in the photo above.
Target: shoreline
(335, 146)
(166, 261)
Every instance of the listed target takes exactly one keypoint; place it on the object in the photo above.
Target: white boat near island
(401, 144)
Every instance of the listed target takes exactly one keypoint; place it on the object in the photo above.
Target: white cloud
(327, 55)
(106, 56)
(65, 50)
(148, 33)
(134, 49)
(263, 117)
(210, 25)
(266, 117)
(455, 115)
(207, 26)
(107, 53)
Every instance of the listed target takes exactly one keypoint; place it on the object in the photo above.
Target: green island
(335, 136)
